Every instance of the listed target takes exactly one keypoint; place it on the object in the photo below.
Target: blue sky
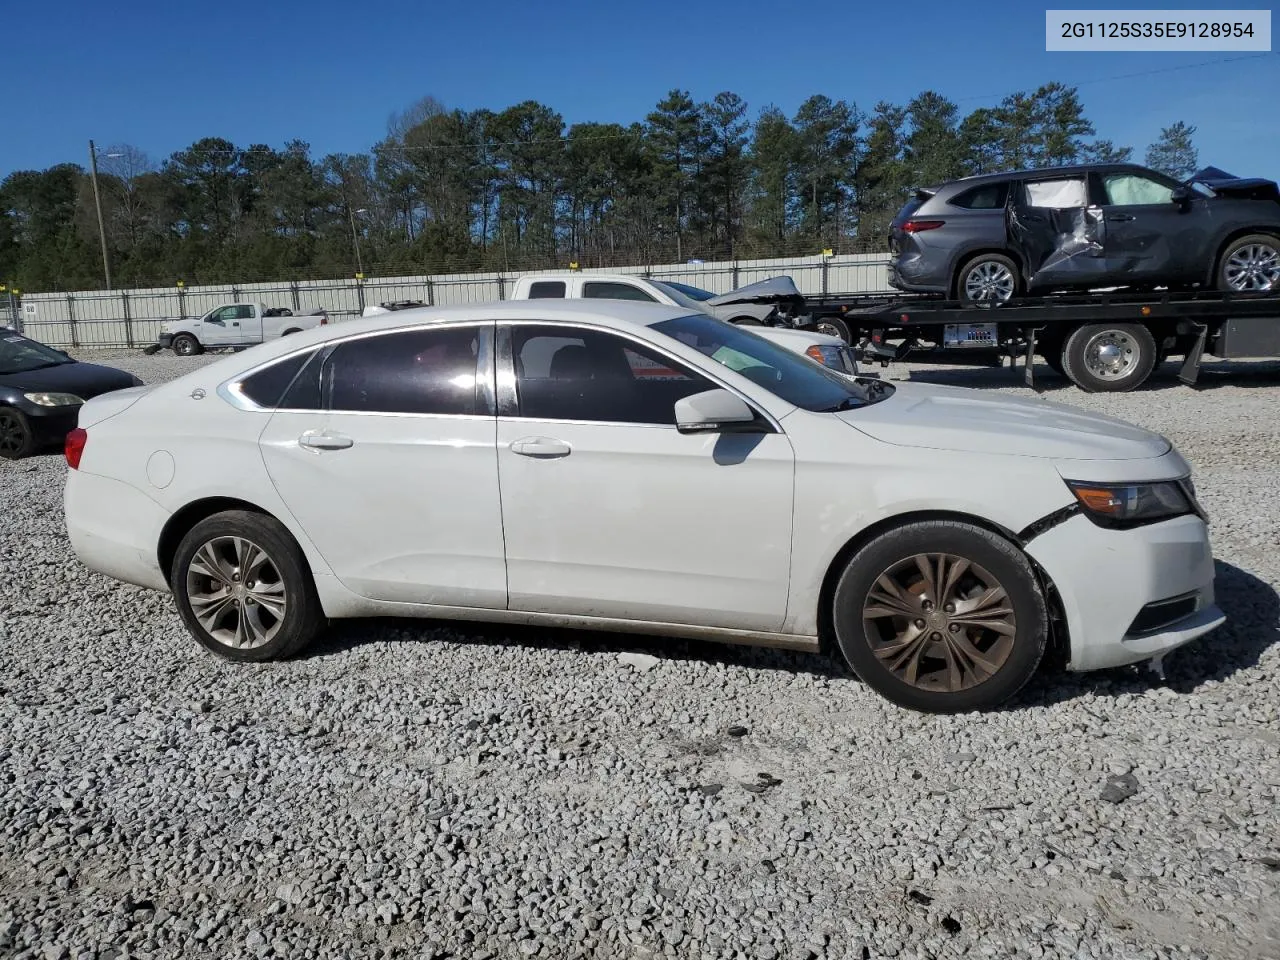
(160, 75)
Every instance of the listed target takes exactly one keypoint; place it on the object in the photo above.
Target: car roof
(1045, 171)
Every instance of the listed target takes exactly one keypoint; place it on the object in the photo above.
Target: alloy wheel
(236, 592)
(1255, 266)
(939, 622)
(12, 437)
(989, 281)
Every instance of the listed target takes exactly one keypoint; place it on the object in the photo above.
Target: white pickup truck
(233, 325)
(750, 304)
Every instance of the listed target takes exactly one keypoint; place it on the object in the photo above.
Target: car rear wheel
(243, 588)
(834, 327)
(185, 345)
(988, 278)
(17, 440)
(1109, 357)
(1250, 265)
(941, 616)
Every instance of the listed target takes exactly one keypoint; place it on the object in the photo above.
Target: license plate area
(961, 335)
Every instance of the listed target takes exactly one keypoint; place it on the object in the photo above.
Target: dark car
(1107, 225)
(42, 390)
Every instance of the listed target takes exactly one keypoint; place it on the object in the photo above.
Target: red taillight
(74, 450)
(916, 226)
(323, 320)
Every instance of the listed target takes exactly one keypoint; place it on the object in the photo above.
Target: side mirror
(713, 411)
(1181, 196)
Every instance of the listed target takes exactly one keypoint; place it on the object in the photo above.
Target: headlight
(829, 355)
(1133, 504)
(54, 399)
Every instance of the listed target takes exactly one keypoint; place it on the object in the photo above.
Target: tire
(1250, 264)
(1109, 357)
(242, 629)
(834, 327)
(185, 345)
(746, 322)
(290, 330)
(988, 278)
(17, 440)
(946, 680)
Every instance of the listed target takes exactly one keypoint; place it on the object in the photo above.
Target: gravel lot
(423, 790)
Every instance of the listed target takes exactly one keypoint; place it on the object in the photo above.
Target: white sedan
(635, 467)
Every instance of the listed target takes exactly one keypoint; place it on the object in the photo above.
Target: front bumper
(165, 341)
(50, 424)
(1107, 580)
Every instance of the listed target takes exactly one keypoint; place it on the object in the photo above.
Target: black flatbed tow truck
(1101, 341)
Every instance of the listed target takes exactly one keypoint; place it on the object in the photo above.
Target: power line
(1130, 76)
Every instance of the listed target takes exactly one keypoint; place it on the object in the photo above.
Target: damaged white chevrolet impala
(634, 467)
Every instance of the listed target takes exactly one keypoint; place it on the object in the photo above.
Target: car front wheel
(941, 616)
(185, 345)
(243, 588)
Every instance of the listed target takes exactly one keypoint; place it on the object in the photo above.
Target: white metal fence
(132, 318)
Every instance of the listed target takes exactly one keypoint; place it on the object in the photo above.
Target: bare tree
(124, 165)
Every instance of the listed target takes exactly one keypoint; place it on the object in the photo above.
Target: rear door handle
(324, 441)
(540, 448)
(1121, 217)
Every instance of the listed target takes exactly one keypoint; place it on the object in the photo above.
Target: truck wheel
(988, 278)
(834, 327)
(746, 322)
(1250, 265)
(290, 330)
(1050, 350)
(185, 345)
(1109, 357)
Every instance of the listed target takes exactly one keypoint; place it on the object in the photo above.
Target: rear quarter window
(267, 386)
(547, 290)
(989, 196)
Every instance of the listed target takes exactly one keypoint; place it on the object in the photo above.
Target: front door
(610, 511)
(220, 328)
(1148, 237)
(384, 453)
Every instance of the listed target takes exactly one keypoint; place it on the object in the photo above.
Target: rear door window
(547, 290)
(604, 290)
(430, 371)
(1061, 194)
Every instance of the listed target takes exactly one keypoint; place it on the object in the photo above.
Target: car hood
(764, 291)
(791, 338)
(970, 421)
(1245, 188)
(85, 380)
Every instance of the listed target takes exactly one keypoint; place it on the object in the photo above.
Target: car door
(1149, 237)
(610, 511)
(1057, 232)
(218, 328)
(248, 323)
(383, 450)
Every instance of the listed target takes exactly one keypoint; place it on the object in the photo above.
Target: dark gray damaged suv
(995, 236)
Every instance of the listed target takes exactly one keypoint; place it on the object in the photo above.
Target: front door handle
(540, 448)
(1121, 217)
(324, 441)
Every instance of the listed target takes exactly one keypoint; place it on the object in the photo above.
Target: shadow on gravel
(1252, 607)
(345, 635)
(1212, 377)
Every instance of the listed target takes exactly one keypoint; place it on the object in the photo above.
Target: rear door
(1057, 232)
(1148, 236)
(383, 450)
(250, 323)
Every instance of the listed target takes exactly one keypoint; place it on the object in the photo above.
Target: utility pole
(355, 239)
(97, 202)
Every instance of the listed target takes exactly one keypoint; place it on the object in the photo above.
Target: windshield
(18, 354)
(696, 294)
(788, 375)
